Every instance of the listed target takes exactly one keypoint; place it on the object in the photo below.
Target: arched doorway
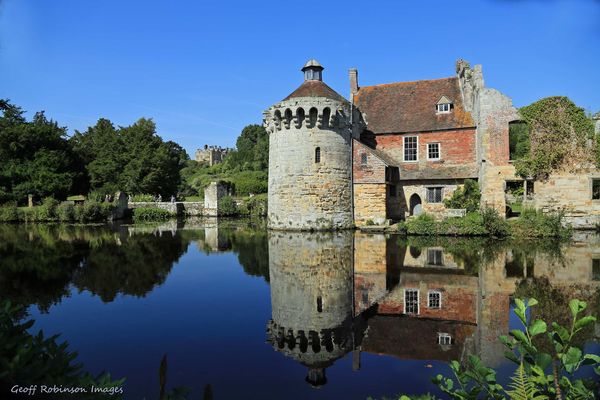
(415, 205)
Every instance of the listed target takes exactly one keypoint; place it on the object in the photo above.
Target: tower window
(317, 155)
(319, 304)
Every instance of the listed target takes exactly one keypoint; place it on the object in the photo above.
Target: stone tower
(311, 298)
(310, 150)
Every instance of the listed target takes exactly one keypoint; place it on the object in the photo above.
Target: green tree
(36, 157)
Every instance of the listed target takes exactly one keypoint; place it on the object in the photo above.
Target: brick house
(418, 145)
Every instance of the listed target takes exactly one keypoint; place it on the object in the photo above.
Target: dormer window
(444, 105)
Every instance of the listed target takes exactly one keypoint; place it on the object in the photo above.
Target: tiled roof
(315, 88)
(411, 106)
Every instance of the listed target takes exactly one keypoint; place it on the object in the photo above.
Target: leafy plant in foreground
(539, 375)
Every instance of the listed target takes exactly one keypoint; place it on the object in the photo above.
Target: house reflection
(346, 292)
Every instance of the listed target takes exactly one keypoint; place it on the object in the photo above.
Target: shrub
(92, 211)
(258, 205)
(46, 211)
(227, 206)
(65, 212)
(401, 227)
(493, 223)
(469, 225)
(534, 223)
(9, 213)
(147, 214)
(466, 197)
(246, 182)
(424, 224)
(369, 222)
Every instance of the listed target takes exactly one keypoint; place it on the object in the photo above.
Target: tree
(36, 157)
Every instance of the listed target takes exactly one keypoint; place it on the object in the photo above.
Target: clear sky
(203, 70)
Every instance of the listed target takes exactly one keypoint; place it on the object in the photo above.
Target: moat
(245, 313)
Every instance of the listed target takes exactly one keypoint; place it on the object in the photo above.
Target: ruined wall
(492, 112)
(212, 195)
(571, 193)
(304, 194)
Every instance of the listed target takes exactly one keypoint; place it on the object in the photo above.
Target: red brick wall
(458, 148)
(373, 171)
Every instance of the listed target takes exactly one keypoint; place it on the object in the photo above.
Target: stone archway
(416, 207)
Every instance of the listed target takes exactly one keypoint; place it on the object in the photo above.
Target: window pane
(411, 301)
(434, 300)
(410, 148)
(433, 151)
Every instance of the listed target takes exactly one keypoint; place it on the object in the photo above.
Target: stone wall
(212, 195)
(190, 208)
(571, 193)
(420, 189)
(305, 194)
(370, 203)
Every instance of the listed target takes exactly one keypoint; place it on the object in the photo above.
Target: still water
(246, 313)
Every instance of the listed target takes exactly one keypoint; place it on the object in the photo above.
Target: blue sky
(203, 70)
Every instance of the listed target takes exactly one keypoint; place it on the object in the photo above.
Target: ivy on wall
(558, 138)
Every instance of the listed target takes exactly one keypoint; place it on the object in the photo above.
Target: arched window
(313, 114)
(300, 115)
(317, 155)
(288, 118)
(326, 116)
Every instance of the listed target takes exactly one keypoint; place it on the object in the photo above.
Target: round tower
(311, 298)
(310, 157)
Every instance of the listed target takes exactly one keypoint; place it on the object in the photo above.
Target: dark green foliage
(9, 213)
(425, 224)
(36, 157)
(227, 206)
(494, 224)
(249, 182)
(534, 223)
(133, 159)
(147, 214)
(29, 359)
(465, 197)
(558, 131)
(519, 140)
(51, 211)
(252, 150)
(65, 212)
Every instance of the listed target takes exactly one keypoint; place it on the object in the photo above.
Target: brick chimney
(353, 81)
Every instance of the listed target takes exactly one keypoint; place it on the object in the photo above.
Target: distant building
(211, 155)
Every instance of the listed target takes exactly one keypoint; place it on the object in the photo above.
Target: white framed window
(435, 194)
(435, 257)
(444, 339)
(434, 299)
(443, 107)
(411, 301)
(433, 151)
(411, 148)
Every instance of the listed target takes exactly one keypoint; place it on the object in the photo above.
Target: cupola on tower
(310, 157)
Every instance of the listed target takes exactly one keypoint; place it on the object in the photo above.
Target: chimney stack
(353, 81)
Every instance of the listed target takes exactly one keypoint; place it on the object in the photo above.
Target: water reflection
(419, 299)
(336, 299)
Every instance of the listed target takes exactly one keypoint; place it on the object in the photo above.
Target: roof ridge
(405, 82)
